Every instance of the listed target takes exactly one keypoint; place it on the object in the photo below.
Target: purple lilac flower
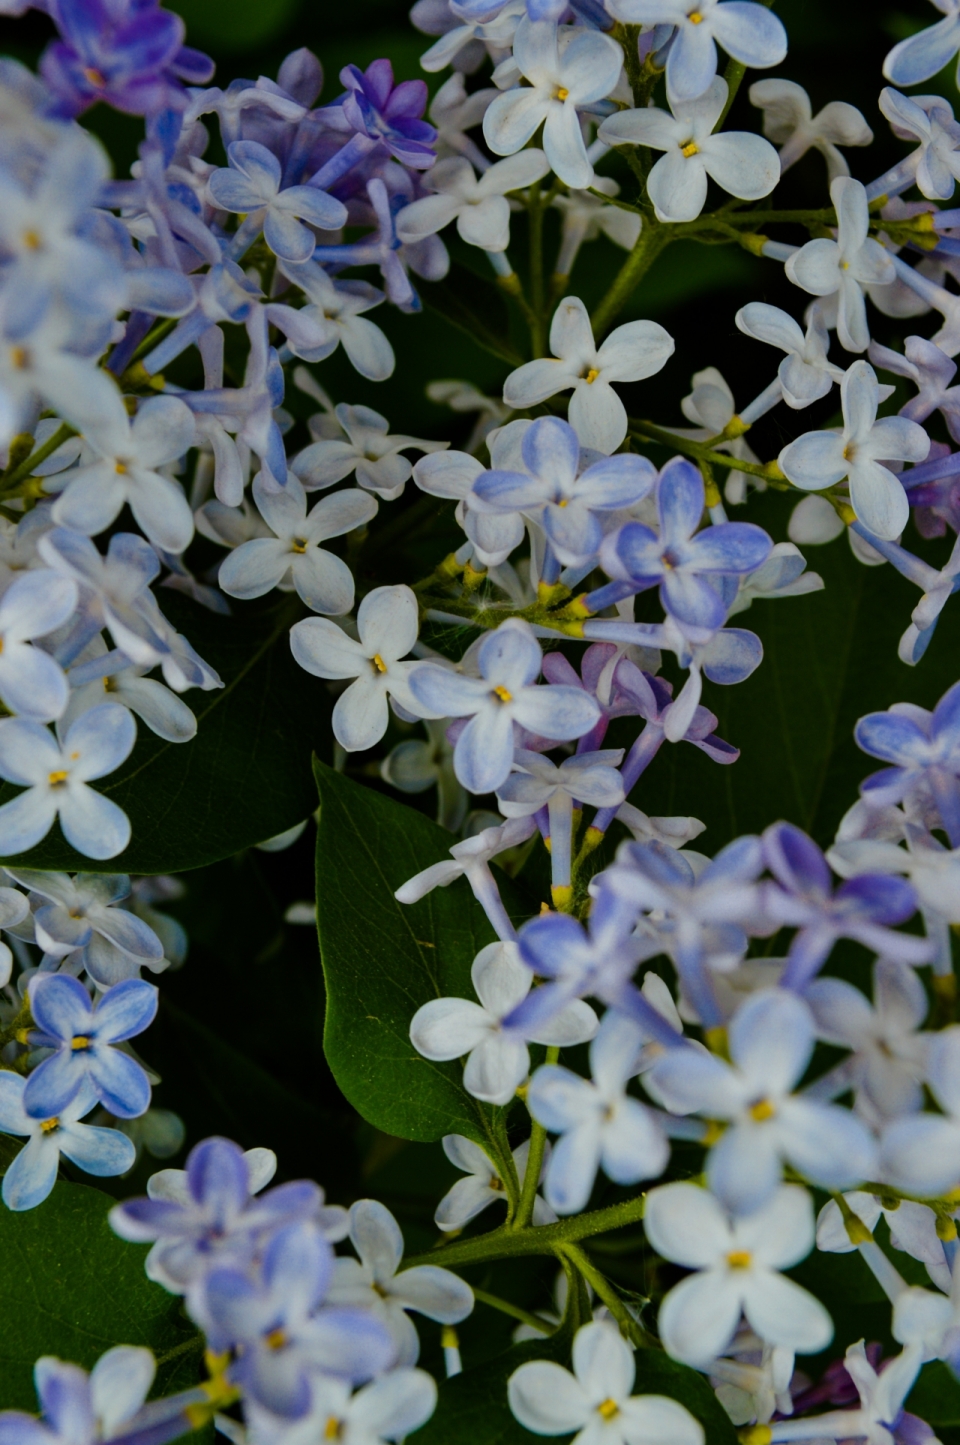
(863, 908)
(681, 559)
(83, 1035)
(923, 748)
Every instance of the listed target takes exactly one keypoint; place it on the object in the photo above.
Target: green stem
(649, 432)
(604, 1290)
(651, 241)
(538, 1139)
(162, 329)
(62, 434)
(733, 75)
(505, 1307)
(546, 1239)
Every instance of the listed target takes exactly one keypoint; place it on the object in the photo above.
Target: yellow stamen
(378, 662)
(762, 1111)
(713, 1132)
(332, 1429)
(591, 376)
(95, 77)
(79, 1043)
(49, 1126)
(55, 779)
(275, 1340)
(32, 240)
(562, 93)
(739, 1259)
(756, 1435)
(298, 545)
(690, 149)
(449, 1339)
(122, 469)
(503, 694)
(844, 265)
(608, 1409)
(19, 357)
(695, 17)
(496, 1183)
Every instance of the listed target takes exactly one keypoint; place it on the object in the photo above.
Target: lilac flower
(771, 1040)
(81, 913)
(934, 167)
(931, 372)
(336, 309)
(536, 783)
(920, 1153)
(56, 777)
(498, 1059)
(862, 908)
(471, 859)
(32, 1174)
(280, 1337)
(788, 121)
(31, 683)
(113, 589)
(805, 374)
(922, 55)
(482, 1186)
(253, 186)
(364, 447)
(130, 55)
(217, 1217)
(505, 693)
(740, 162)
(844, 267)
(681, 558)
(748, 32)
(83, 1036)
(389, 1408)
(377, 1283)
(821, 459)
(375, 110)
(79, 1409)
(583, 73)
(923, 748)
(479, 207)
(631, 352)
(294, 554)
(565, 503)
(701, 917)
(601, 1127)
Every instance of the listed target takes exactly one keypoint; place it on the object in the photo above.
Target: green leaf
(472, 1408)
(243, 778)
(936, 1396)
(69, 1287)
(234, 24)
(382, 960)
(829, 657)
(657, 1374)
(475, 306)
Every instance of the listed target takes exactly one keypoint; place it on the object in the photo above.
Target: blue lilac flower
(924, 750)
(83, 1036)
(79, 1409)
(32, 1174)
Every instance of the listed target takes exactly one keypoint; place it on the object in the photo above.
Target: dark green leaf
(657, 1374)
(473, 1409)
(69, 1287)
(936, 1396)
(474, 306)
(244, 777)
(382, 960)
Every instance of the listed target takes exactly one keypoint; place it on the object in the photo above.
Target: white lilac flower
(771, 1040)
(32, 684)
(931, 372)
(913, 1229)
(882, 1398)
(376, 1282)
(498, 1059)
(366, 448)
(129, 456)
(711, 407)
(631, 352)
(82, 913)
(110, 678)
(389, 1408)
(454, 111)
(782, 575)
(821, 459)
(595, 1399)
(479, 207)
(788, 121)
(600, 1125)
(844, 267)
(922, 55)
(471, 859)
(537, 783)
(935, 165)
(493, 535)
(32, 1174)
(748, 32)
(464, 43)
(387, 620)
(293, 557)
(674, 832)
(920, 1153)
(56, 777)
(737, 1263)
(417, 764)
(585, 71)
(741, 163)
(586, 216)
(505, 693)
(805, 374)
(336, 308)
(482, 1185)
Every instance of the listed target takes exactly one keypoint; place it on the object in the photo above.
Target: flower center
(739, 1259)
(608, 1409)
(695, 17)
(333, 1429)
(19, 358)
(562, 92)
(57, 779)
(80, 1043)
(496, 1183)
(503, 694)
(94, 76)
(850, 452)
(690, 149)
(299, 544)
(378, 662)
(762, 1110)
(275, 1340)
(50, 1126)
(122, 469)
(591, 376)
(32, 240)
